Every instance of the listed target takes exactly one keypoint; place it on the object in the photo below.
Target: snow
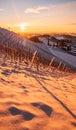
(67, 58)
(36, 100)
(59, 37)
(13, 40)
(31, 99)
(45, 41)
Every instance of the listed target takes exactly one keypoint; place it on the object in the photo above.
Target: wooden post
(33, 58)
(63, 67)
(51, 62)
(59, 65)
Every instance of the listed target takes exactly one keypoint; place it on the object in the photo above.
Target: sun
(22, 27)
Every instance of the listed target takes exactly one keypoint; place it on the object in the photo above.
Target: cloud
(36, 10)
(72, 24)
(1, 10)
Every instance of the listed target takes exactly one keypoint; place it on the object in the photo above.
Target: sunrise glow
(43, 16)
(22, 27)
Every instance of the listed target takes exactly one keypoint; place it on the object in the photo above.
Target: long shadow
(26, 115)
(33, 71)
(47, 109)
(6, 72)
(56, 98)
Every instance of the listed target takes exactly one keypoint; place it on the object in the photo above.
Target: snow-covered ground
(59, 37)
(65, 57)
(32, 99)
(73, 50)
(60, 54)
(45, 41)
(14, 41)
(11, 39)
(36, 100)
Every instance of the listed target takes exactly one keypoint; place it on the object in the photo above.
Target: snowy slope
(13, 40)
(67, 58)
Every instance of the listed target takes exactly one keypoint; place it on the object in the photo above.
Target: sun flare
(22, 27)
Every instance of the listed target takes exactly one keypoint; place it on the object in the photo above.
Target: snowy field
(32, 99)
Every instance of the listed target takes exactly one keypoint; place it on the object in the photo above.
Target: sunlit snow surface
(13, 40)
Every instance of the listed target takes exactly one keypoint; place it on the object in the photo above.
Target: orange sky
(45, 17)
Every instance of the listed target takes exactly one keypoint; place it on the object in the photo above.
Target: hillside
(35, 95)
(11, 40)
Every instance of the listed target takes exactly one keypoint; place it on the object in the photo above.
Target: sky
(39, 15)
